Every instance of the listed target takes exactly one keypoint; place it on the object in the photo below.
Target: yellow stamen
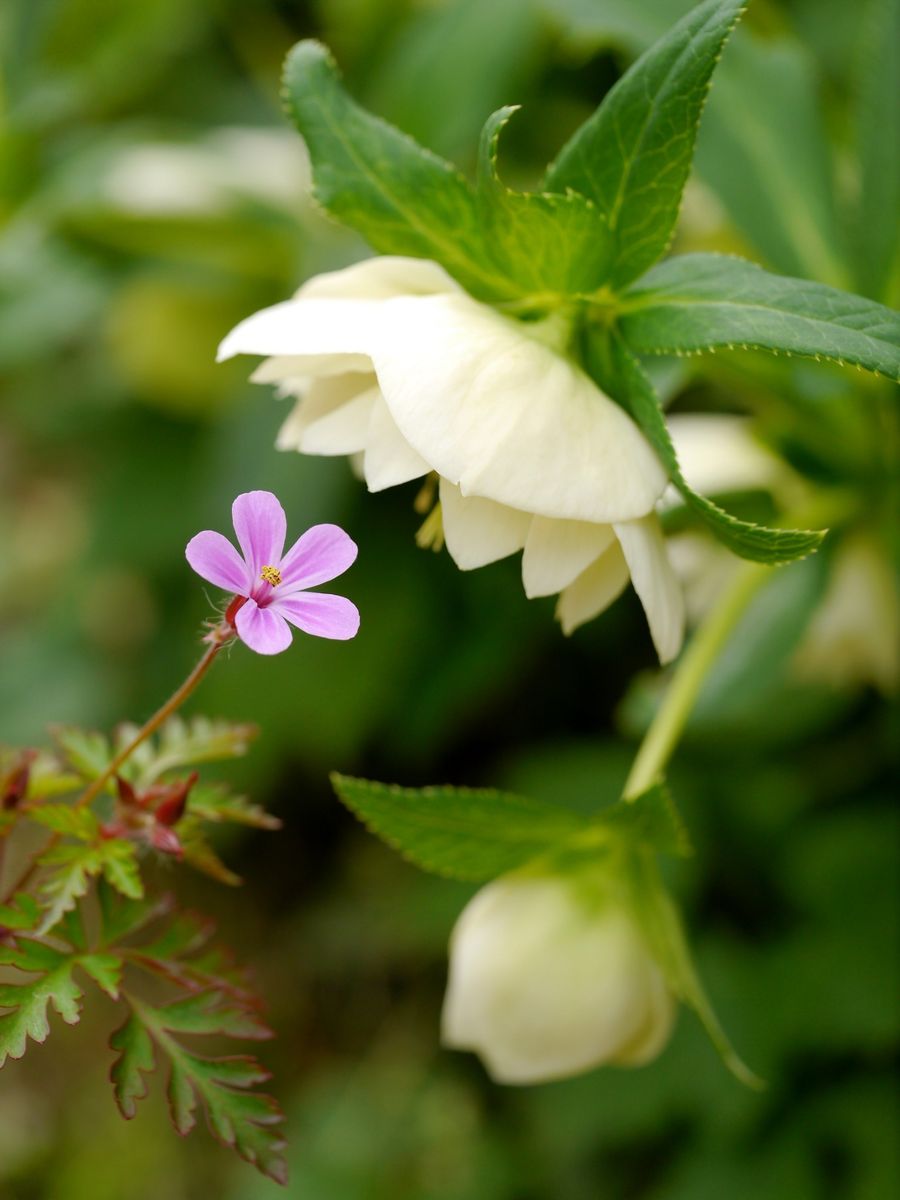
(271, 575)
(431, 532)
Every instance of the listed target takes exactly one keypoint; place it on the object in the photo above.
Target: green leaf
(650, 820)
(53, 983)
(135, 1060)
(699, 302)
(186, 743)
(877, 232)
(199, 854)
(663, 928)
(633, 24)
(249, 1122)
(214, 802)
(402, 198)
(89, 753)
(755, 542)
(547, 243)
(20, 913)
(72, 867)
(633, 156)
(458, 832)
(66, 820)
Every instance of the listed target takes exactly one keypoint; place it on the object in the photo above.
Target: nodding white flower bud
(550, 975)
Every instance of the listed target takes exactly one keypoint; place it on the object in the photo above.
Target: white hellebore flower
(395, 364)
(550, 977)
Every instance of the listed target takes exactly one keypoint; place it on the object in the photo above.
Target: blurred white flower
(550, 975)
(399, 368)
(854, 634)
(169, 179)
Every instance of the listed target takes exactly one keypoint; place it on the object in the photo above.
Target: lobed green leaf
(632, 157)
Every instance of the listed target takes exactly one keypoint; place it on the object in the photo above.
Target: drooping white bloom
(395, 365)
(854, 634)
(549, 977)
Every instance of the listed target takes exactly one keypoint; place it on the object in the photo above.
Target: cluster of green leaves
(82, 901)
(589, 240)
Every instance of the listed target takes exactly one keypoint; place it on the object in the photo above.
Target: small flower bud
(15, 785)
(551, 975)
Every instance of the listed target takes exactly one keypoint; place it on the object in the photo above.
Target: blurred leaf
(755, 542)
(463, 833)
(69, 870)
(877, 235)
(181, 743)
(89, 753)
(66, 820)
(633, 156)
(453, 63)
(650, 820)
(199, 854)
(213, 802)
(21, 912)
(633, 24)
(763, 149)
(699, 302)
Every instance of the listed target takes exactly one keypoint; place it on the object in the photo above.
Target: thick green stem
(666, 727)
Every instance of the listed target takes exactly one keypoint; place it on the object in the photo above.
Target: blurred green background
(150, 196)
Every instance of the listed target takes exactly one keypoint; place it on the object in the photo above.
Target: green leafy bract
(464, 833)
(402, 198)
(633, 155)
(699, 302)
(546, 243)
(71, 868)
(649, 819)
(755, 542)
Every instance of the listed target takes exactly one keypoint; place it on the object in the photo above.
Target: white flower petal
(297, 371)
(321, 397)
(655, 582)
(389, 458)
(342, 431)
(302, 329)
(556, 552)
(380, 278)
(507, 418)
(478, 532)
(593, 591)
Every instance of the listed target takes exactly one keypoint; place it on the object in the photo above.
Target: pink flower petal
(262, 629)
(320, 554)
(260, 525)
(214, 559)
(320, 614)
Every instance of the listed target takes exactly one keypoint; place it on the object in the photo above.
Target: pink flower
(271, 585)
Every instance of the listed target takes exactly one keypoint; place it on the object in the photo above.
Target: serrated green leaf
(699, 302)
(72, 868)
(755, 542)
(66, 820)
(402, 198)
(29, 1002)
(650, 820)
(89, 753)
(21, 913)
(462, 833)
(215, 803)
(556, 244)
(248, 1122)
(186, 743)
(135, 1060)
(105, 970)
(199, 854)
(633, 156)
(213, 1012)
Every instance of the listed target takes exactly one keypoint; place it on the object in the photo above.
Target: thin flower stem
(667, 726)
(174, 702)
